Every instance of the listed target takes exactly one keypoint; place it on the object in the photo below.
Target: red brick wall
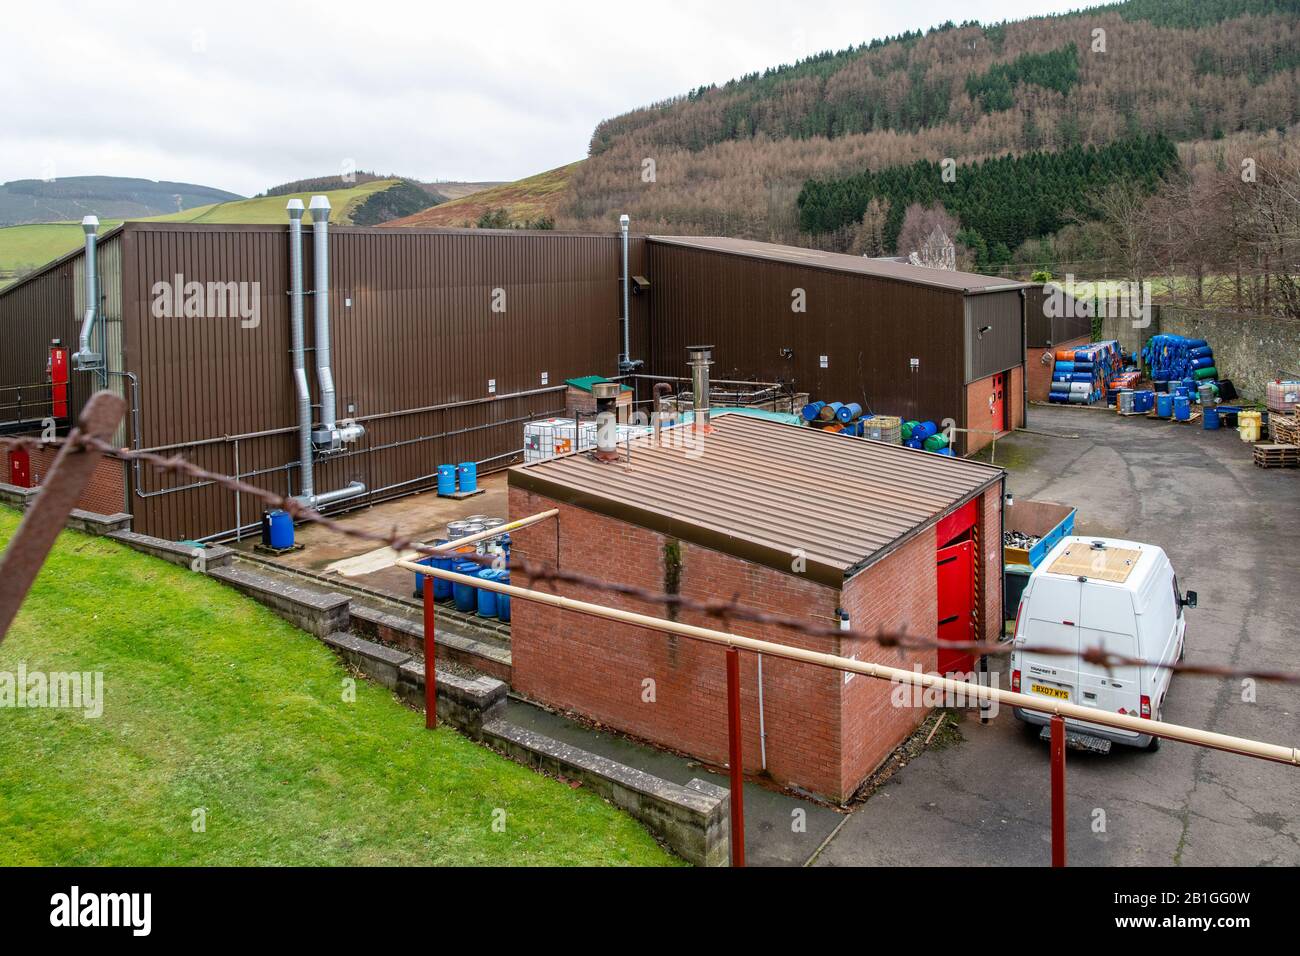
(977, 407)
(897, 593)
(1040, 375)
(596, 668)
(105, 493)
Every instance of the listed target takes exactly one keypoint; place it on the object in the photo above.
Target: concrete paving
(780, 829)
(423, 516)
(1233, 533)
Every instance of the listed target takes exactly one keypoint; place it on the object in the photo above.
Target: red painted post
(736, 758)
(430, 677)
(1058, 791)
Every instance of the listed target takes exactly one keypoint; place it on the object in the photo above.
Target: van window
(1178, 599)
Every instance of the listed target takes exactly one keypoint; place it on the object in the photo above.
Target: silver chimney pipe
(320, 217)
(606, 395)
(625, 360)
(329, 437)
(298, 348)
(701, 357)
(85, 359)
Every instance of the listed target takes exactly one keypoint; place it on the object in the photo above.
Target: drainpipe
(701, 357)
(298, 349)
(85, 359)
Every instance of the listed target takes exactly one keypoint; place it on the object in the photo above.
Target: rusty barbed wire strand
(723, 611)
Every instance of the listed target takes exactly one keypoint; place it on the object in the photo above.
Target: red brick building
(789, 520)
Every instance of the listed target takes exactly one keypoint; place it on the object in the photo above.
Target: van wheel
(1182, 651)
(1154, 745)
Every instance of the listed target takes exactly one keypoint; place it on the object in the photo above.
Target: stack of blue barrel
(1072, 381)
(1175, 360)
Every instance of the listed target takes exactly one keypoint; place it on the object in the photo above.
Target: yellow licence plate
(1050, 691)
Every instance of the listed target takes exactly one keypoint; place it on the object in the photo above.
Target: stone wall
(1251, 350)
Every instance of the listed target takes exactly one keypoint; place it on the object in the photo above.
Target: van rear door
(1107, 621)
(1052, 616)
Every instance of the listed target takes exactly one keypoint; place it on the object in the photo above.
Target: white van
(1121, 596)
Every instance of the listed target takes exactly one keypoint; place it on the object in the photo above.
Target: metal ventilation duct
(298, 348)
(85, 359)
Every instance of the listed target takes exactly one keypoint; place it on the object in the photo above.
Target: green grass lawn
(211, 701)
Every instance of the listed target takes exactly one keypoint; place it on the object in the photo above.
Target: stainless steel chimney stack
(606, 394)
(298, 349)
(701, 357)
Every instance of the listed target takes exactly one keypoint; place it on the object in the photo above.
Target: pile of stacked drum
(1080, 375)
(487, 559)
(841, 418)
(925, 435)
(1174, 360)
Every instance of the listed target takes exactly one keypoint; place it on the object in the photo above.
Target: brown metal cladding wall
(1000, 347)
(869, 328)
(1042, 330)
(49, 305)
(419, 331)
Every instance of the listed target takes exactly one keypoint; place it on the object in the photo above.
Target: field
(525, 199)
(23, 248)
(227, 738)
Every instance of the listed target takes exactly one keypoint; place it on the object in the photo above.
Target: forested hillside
(733, 159)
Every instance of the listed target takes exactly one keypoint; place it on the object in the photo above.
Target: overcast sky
(243, 96)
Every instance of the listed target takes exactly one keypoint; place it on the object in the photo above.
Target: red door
(20, 468)
(58, 369)
(997, 403)
(956, 586)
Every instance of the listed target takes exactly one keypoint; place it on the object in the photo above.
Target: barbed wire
(724, 611)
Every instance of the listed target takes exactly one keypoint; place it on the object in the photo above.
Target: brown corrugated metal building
(445, 341)
(1053, 320)
(904, 340)
(799, 523)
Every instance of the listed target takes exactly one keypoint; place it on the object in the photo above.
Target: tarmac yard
(1232, 531)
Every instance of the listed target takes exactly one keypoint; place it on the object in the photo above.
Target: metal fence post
(40, 526)
(430, 642)
(1058, 791)
(736, 759)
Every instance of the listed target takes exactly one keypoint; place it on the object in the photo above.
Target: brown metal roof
(767, 491)
(967, 283)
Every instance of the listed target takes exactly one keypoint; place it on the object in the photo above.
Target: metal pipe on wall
(298, 348)
(625, 360)
(85, 359)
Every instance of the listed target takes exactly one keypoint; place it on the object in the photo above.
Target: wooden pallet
(1285, 429)
(1277, 456)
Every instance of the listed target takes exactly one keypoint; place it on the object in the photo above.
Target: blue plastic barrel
(466, 596)
(281, 528)
(441, 588)
(446, 479)
(1182, 408)
(467, 473)
(1164, 405)
(915, 443)
(487, 600)
(848, 412)
(925, 430)
(812, 410)
(947, 451)
(1211, 420)
(503, 600)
